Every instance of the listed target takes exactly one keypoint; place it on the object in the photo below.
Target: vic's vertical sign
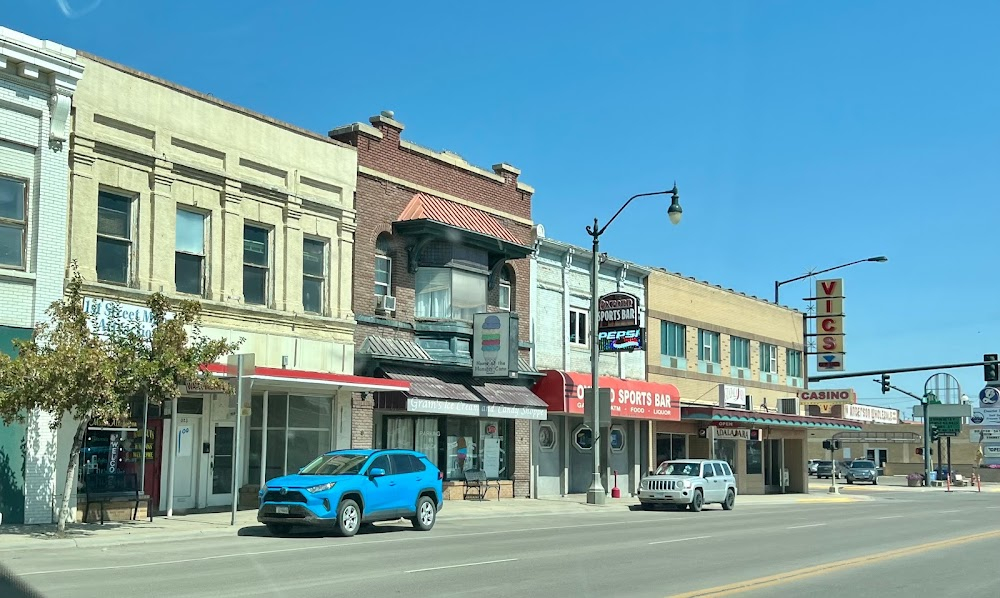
(830, 325)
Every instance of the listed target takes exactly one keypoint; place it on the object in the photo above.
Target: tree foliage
(68, 369)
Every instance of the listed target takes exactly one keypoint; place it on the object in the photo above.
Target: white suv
(689, 482)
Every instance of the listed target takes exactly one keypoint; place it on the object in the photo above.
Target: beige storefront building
(739, 364)
(176, 191)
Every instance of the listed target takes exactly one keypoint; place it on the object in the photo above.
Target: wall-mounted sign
(867, 413)
(977, 435)
(618, 340)
(106, 316)
(989, 397)
(985, 417)
(617, 310)
(830, 324)
(494, 345)
(837, 396)
(732, 397)
(565, 392)
(738, 433)
(442, 407)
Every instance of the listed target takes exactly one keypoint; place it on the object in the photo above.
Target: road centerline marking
(460, 565)
(890, 517)
(832, 567)
(680, 540)
(805, 526)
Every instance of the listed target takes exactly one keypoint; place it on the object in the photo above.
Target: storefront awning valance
(715, 414)
(635, 399)
(460, 394)
(308, 382)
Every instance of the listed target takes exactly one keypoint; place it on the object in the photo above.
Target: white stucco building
(37, 82)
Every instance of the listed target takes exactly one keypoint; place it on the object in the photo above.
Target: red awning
(304, 380)
(634, 399)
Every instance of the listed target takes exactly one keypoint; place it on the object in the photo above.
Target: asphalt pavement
(900, 543)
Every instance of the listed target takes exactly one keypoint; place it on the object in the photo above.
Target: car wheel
(426, 514)
(850, 481)
(875, 481)
(697, 501)
(730, 501)
(348, 518)
(279, 529)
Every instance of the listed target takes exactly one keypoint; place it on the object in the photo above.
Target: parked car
(691, 483)
(825, 469)
(811, 468)
(347, 488)
(862, 471)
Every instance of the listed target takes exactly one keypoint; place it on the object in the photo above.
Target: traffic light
(885, 383)
(991, 369)
(831, 445)
(935, 435)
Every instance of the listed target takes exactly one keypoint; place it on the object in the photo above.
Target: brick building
(37, 82)
(739, 365)
(439, 240)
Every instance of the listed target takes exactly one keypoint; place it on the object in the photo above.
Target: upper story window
(672, 339)
(505, 298)
(114, 237)
(449, 293)
(793, 363)
(739, 352)
(189, 252)
(313, 275)
(708, 346)
(383, 266)
(13, 221)
(578, 327)
(768, 358)
(256, 264)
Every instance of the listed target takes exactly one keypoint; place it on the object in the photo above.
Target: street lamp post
(597, 493)
(777, 283)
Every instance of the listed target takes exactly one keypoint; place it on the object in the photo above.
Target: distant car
(813, 463)
(691, 483)
(825, 469)
(346, 488)
(862, 471)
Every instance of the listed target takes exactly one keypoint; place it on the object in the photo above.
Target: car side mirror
(376, 472)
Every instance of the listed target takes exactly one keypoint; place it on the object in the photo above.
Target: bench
(101, 488)
(477, 484)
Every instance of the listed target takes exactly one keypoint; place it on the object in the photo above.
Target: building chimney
(386, 122)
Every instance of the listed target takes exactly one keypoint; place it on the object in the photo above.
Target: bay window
(449, 293)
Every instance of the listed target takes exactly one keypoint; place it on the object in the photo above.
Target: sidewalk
(202, 525)
(895, 484)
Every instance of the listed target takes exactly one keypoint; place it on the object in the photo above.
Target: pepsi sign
(618, 340)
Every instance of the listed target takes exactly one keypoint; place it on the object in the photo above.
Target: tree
(68, 369)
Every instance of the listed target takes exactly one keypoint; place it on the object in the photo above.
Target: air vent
(385, 303)
(788, 406)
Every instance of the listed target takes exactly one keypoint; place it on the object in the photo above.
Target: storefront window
(583, 438)
(617, 439)
(449, 293)
(670, 446)
(298, 429)
(725, 450)
(469, 443)
(754, 457)
(547, 436)
(110, 451)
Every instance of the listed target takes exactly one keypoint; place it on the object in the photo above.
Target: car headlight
(321, 487)
(687, 483)
(262, 492)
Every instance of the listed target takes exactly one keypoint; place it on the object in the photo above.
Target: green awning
(765, 419)
(9, 334)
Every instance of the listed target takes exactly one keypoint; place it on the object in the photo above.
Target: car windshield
(336, 464)
(675, 468)
(863, 464)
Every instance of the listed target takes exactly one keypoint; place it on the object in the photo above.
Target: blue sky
(802, 135)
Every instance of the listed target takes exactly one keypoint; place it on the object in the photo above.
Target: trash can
(934, 476)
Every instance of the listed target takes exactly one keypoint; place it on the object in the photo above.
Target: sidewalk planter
(113, 511)
(913, 480)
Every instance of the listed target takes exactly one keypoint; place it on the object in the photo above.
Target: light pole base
(833, 490)
(596, 495)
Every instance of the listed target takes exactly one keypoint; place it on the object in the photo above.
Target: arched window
(383, 265)
(505, 300)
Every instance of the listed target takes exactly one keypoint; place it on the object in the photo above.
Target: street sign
(977, 435)
(936, 410)
(989, 397)
(947, 426)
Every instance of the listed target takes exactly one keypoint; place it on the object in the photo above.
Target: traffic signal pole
(884, 381)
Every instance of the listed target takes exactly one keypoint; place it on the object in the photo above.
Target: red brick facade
(391, 172)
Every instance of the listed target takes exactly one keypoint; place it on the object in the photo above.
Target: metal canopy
(890, 437)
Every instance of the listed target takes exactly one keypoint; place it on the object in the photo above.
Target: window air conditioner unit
(385, 303)
(788, 406)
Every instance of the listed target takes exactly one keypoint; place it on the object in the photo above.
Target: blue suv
(347, 488)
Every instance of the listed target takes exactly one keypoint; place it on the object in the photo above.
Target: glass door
(222, 463)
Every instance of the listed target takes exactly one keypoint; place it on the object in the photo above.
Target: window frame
(266, 268)
(23, 224)
(585, 334)
(789, 352)
(452, 273)
(667, 332)
(771, 353)
(388, 269)
(744, 346)
(505, 284)
(714, 351)
(128, 240)
(203, 277)
(323, 279)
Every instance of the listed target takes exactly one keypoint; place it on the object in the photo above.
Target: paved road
(794, 549)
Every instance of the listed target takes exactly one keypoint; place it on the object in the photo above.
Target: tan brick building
(175, 191)
(438, 241)
(738, 363)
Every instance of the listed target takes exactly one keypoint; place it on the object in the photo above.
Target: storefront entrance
(221, 463)
(186, 464)
(774, 468)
